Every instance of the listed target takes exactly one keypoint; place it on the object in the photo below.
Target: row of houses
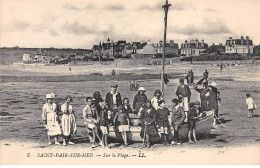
(193, 47)
(123, 48)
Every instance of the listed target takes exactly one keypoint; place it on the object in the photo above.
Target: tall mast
(165, 7)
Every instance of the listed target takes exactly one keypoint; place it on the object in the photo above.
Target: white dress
(250, 103)
(68, 121)
(50, 116)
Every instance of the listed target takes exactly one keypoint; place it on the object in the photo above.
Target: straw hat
(141, 89)
(50, 96)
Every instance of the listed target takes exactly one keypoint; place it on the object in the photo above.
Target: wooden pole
(165, 7)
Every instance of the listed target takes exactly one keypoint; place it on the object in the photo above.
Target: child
(68, 121)
(139, 99)
(103, 122)
(162, 121)
(177, 119)
(122, 121)
(192, 116)
(250, 105)
(156, 99)
(50, 119)
(90, 117)
(126, 106)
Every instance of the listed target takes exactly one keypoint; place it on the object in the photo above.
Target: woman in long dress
(50, 119)
(148, 119)
(68, 121)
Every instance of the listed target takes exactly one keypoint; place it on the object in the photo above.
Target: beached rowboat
(202, 126)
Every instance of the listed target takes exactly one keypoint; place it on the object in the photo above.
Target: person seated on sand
(140, 99)
(126, 106)
(91, 118)
(251, 106)
(50, 119)
(177, 119)
(156, 99)
(103, 123)
(148, 119)
(122, 123)
(162, 121)
(68, 121)
(192, 116)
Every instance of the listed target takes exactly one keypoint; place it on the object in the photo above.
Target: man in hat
(113, 100)
(183, 92)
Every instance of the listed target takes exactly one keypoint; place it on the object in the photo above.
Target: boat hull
(202, 127)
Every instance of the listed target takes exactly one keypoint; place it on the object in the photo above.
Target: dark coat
(178, 116)
(149, 118)
(213, 98)
(184, 91)
(139, 101)
(109, 99)
(204, 100)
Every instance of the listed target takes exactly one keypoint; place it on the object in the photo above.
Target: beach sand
(23, 90)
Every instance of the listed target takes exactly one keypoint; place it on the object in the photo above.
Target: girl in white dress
(68, 121)
(50, 119)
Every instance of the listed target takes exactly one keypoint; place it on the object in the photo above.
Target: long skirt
(151, 130)
(53, 128)
(68, 123)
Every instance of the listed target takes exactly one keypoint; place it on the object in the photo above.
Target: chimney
(247, 40)
(230, 38)
(242, 40)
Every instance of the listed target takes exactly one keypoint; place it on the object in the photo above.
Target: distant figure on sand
(206, 75)
(50, 119)
(68, 121)
(251, 106)
(189, 78)
(113, 73)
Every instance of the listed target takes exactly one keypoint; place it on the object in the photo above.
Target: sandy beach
(23, 92)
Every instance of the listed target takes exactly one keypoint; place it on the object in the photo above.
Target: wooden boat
(202, 127)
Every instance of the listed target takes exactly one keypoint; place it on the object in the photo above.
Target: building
(96, 49)
(170, 47)
(149, 49)
(240, 46)
(27, 58)
(257, 50)
(128, 49)
(194, 47)
(140, 47)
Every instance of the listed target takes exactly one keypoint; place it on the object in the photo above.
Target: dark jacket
(178, 115)
(148, 117)
(213, 98)
(162, 115)
(184, 91)
(109, 99)
(192, 114)
(103, 118)
(128, 110)
(204, 100)
(139, 101)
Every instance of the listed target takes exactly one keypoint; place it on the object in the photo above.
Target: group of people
(155, 117)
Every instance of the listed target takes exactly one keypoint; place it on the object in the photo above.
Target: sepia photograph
(129, 82)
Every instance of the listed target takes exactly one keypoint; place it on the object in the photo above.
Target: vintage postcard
(126, 82)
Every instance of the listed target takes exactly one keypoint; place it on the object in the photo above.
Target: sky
(83, 23)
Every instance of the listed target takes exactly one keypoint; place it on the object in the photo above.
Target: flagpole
(166, 7)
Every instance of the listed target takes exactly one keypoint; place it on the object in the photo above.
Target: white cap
(50, 96)
(213, 84)
(141, 89)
